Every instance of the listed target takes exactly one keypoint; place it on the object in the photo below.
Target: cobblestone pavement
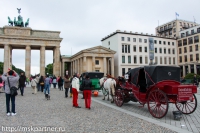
(36, 111)
(190, 123)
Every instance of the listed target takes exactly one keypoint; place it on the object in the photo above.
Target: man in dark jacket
(22, 80)
(87, 91)
(195, 80)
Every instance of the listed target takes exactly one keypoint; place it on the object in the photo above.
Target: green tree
(18, 70)
(49, 69)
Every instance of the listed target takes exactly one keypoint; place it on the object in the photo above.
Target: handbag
(42, 83)
(13, 89)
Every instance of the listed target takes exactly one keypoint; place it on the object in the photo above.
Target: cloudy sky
(83, 23)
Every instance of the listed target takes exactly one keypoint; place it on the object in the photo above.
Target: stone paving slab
(189, 123)
(35, 110)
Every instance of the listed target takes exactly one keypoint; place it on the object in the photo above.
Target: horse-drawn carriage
(156, 86)
(94, 77)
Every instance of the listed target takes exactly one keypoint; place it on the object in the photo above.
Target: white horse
(109, 86)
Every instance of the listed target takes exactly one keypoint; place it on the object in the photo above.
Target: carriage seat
(143, 86)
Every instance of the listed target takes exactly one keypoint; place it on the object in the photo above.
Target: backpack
(13, 89)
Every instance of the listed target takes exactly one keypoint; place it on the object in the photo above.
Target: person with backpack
(41, 82)
(87, 90)
(10, 79)
(54, 82)
(22, 80)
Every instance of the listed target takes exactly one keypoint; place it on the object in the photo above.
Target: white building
(132, 50)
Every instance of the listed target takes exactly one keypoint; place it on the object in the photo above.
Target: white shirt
(75, 83)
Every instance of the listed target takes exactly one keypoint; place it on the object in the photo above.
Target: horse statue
(109, 85)
(20, 22)
(27, 23)
(10, 22)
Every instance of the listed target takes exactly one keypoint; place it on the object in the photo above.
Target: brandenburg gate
(13, 37)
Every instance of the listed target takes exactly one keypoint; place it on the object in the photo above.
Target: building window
(128, 48)
(134, 39)
(182, 35)
(196, 39)
(160, 42)
(169, 51)
(122, 38)
(123, 71)
(174, 61)
(192, 32)
(155, 50)
(140, 40)
(145, 49)
(174, 24)
(145, 40)
(140, 60)
(165, 60)
(173, 51)
(168, 43)
(160, 60)
(198, 30)
(180, 59)
(129, 59)
(190, 48)
(184, 42)
(174, 30)
(96, 70)
(164, 42)
(180, 23)
(123, 59)
(164, 51)
(140, 49)
(197, 57)
(196, 47)
(170, 32)
(187, 33)
(169, 60)
(155, 41)
(97, 62)
(146, 60)
(185, 58)
(172, 43)
(135, 59)
(134, 48)
(156, 59)
(122, 48)
(191, 57)
(160, 50)
(190, 40)
(185, 49)
(125, 48)
(128, 39)
(180, 50)
(109, 43)
(179, 43)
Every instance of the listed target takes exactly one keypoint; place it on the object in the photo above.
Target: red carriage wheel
(187, 107)
(119, 98)
(157, 103)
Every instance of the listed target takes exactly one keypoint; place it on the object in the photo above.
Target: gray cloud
(84, 23)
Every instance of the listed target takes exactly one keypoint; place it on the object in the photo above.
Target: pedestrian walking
(75, 90)
(13, 78)
(54, 82)
(195, 80)
(87, 90)
(41, 81)
(47, 85)
(60, 83)
(22, 80)
(67, 85)
(71, 86)
(34, 83)
(38, 84)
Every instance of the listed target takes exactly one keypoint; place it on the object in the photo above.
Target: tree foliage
(18, 70)
(191, 76)
(49, 69)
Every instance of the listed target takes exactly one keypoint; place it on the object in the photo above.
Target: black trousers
(8, 98)
(42, 88)
(66, 92)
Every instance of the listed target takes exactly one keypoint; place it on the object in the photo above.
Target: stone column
(63, 69)
(104, 65)
(78, 66)
(183, 70)
(108, 66)
(71, 70)
(81, 65)
(189, 69)
(10, 64)
(57, 61)
(6, 58)
(93, 63)
(84, 64)
(112, 67)
(42, 60)
(195, 68)
(28, 61)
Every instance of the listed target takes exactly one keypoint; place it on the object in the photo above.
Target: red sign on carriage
(184, 94)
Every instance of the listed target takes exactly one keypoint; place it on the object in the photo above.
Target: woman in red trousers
(87, 91)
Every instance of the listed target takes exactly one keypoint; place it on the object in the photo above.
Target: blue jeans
(38, 86)
(22, 90)
(46, 88)
(8, 98)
